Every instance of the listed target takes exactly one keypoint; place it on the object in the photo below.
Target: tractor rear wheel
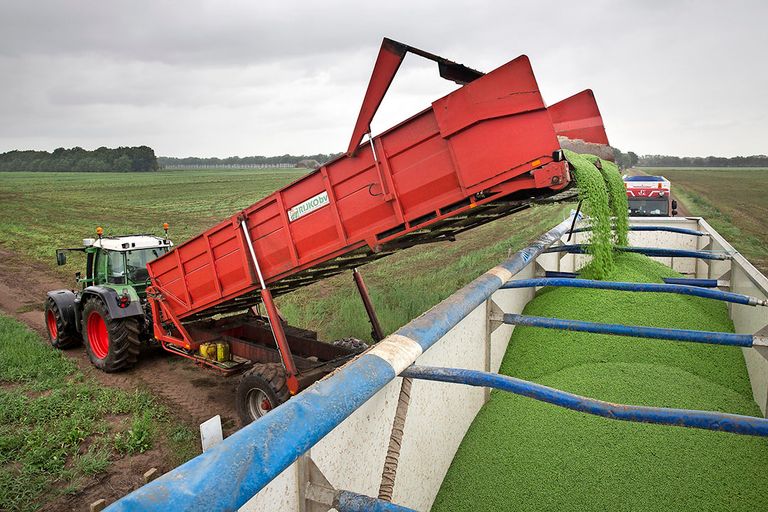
(112, 344)
(261, 389)
(60, 335)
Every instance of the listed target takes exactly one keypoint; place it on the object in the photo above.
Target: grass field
(43, 211)
(58, 429)
(733, 200)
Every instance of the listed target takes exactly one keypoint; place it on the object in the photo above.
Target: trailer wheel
(112, 344)
(261, 389)
(60, 336)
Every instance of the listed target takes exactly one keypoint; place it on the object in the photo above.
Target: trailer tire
(261, 389)
(112, 344)
(352, 344)
(60, 334)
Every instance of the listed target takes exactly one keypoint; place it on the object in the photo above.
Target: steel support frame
(377, 333)
(275, 322)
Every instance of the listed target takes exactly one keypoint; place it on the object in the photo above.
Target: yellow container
(222, 351)
(208, 350)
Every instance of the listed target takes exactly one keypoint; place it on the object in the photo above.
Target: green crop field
(43, 211)
(733, 200)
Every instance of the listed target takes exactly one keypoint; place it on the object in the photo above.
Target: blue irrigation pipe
(668, 229)
(696, 291)
(703, 283)
(648, 251)
(347, 501)
(226, 476)
(708, 420)
(658, 333)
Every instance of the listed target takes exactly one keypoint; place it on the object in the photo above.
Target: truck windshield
(136, 262)
(640, 207)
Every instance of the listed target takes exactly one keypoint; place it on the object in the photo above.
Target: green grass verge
(520, 454)
(58, 428)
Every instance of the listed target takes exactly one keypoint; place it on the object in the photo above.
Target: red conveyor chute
(487, 147)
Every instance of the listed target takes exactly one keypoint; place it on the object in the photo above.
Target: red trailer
(483, 151)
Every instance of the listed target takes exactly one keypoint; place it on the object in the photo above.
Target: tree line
(702, 161)
(77, 159)
(166, 161)
(625, 160)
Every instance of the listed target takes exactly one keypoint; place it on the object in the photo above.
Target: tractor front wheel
(112, 344)
(60, 335)
(261, 389)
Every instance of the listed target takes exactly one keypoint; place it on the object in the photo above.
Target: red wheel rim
(50, 320)
(98, 336)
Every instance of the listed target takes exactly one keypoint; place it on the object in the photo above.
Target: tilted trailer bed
(484, 151)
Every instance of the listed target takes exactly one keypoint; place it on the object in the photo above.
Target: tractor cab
(123, 260)
(118, 261)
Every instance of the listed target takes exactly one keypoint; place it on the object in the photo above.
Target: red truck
(649, 196)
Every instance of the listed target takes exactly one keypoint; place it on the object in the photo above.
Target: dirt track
(193, 394)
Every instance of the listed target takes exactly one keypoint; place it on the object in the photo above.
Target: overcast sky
(222, 78)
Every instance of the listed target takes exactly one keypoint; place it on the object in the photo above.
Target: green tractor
(110, 312)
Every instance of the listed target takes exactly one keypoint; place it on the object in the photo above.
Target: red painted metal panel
(484, 137)
(578, 117)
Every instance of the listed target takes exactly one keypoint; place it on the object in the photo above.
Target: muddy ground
(192, 394)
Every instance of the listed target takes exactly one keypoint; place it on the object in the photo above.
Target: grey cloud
(244, 77)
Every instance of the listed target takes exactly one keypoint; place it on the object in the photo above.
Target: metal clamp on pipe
(703, 283)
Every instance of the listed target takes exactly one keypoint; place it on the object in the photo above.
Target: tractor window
(137, 262)
(116, 267)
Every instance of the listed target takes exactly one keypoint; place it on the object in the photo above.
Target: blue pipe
(736, 298)
(229, 474)
(703, 283)
(707, 420)
(348, 501)
(648, 251)
(669, 229)
(714, 338)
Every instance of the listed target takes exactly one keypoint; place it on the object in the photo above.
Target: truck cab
(649, 196)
